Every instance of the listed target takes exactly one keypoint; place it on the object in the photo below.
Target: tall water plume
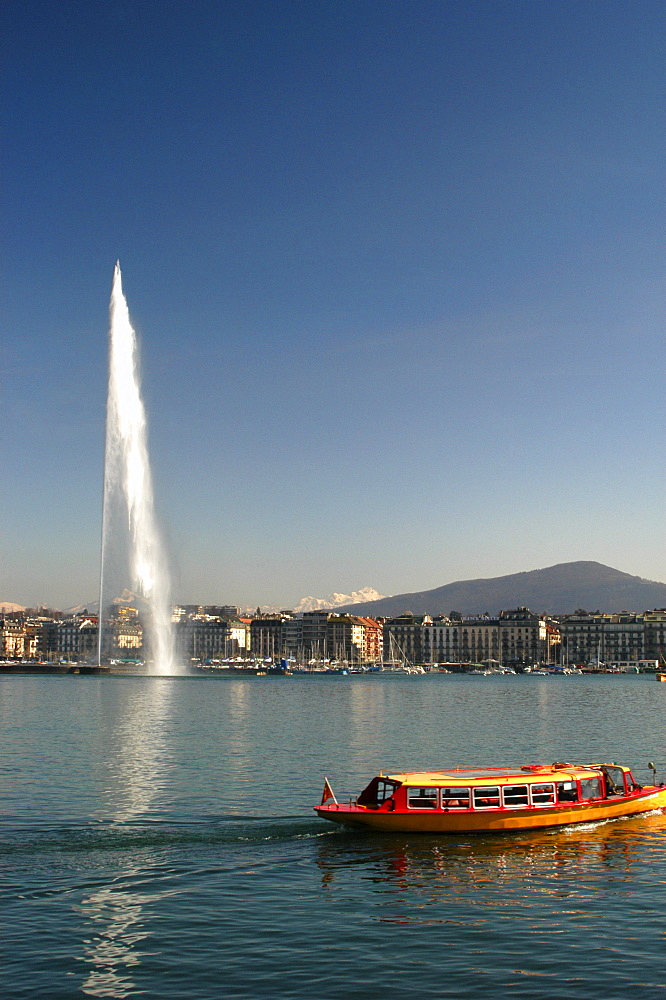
(130, 537)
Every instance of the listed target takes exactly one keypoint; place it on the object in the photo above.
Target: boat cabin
(533, 786)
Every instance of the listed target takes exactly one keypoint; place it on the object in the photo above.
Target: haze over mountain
(559, 589)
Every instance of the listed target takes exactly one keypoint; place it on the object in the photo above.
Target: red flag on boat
(328, 793)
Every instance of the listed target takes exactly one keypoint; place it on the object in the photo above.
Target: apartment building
(204, 636)
(12, 639)
(315, 635)
(516, 638)
(463, 640)
(327, 635)
(407, 637)
(601, 639)
(526, 638)
(372, 640)
(266, 637)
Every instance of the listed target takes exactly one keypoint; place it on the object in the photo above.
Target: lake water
(157, 839)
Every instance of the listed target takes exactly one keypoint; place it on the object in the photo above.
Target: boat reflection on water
(426, 870)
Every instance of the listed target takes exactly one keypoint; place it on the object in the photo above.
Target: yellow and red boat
(495, 799)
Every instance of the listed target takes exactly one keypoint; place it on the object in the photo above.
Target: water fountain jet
(130, 533)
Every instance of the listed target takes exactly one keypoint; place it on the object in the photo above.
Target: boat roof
(498, 775)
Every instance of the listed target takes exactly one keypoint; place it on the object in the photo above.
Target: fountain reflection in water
(130, 535)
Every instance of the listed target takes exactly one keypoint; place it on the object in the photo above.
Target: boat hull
(496, 821)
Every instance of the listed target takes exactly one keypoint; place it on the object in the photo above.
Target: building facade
(12, 639)
(517, 638)
(601, 640)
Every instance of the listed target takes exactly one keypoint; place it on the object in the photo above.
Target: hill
(559, 589)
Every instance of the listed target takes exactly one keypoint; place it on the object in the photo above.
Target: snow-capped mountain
(337, 600)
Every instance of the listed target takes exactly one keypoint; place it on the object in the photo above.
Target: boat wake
(573, 828)
(138, 836)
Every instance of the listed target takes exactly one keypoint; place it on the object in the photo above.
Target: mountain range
(365, 595)
(556, 590)
(560, 589)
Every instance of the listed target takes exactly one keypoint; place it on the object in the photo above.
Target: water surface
(158, 840)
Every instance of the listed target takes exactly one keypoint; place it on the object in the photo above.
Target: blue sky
(398, 272)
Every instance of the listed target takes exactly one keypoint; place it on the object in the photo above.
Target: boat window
(378, 791)
(567, 791)
(543, 794)
(515, 795)
(614, 780)
(454, 798)
(422, 798)
(385, 790)
(590, 788)
(486, 798)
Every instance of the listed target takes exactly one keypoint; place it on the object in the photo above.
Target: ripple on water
(158, 839)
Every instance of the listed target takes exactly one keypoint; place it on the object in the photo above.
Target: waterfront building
(77, 638)
(514, 638)
(405, 639)
(201, 635)
(372, 640)
(582, 637)
(47, 640)
(74, 638)
(292, 637)
(315, 634)
(12, 639)
(526, 638)
(624, 639)
(345, 638)
(128, 638)
(461, 639)
(238, 636)
(31, 639)
(600, 640)
(197, 639)
(327, 635)
(266, 637)
(654, 641)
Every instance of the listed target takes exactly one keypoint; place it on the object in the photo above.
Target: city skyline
(398, 273)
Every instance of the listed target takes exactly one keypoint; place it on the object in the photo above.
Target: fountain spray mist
(128, 491)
